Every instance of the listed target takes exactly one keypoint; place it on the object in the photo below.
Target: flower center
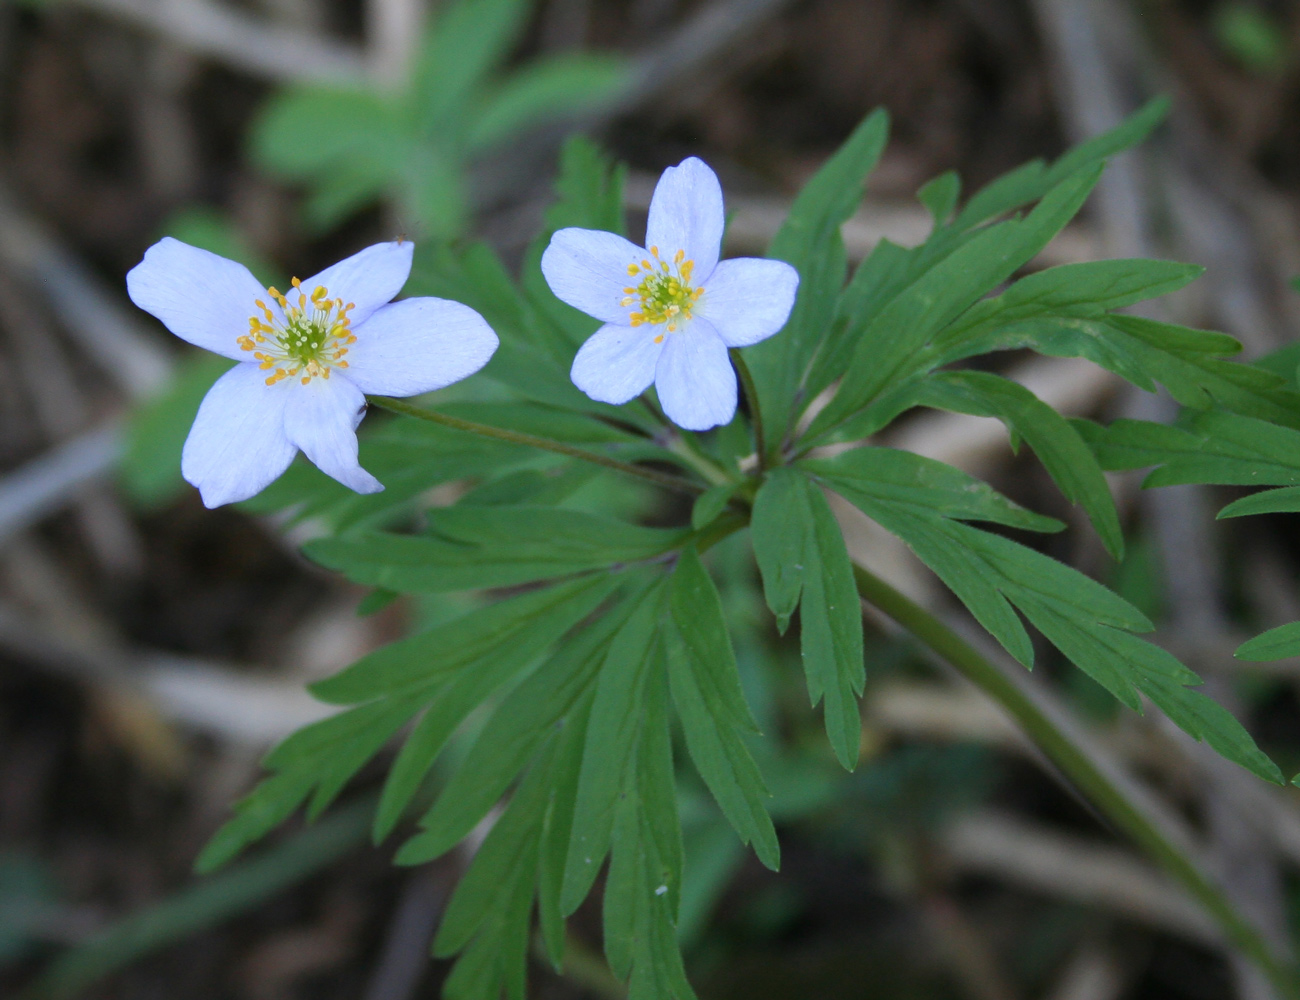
(312, 338)
(664, 292)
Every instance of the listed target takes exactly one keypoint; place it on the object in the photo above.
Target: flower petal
(321, 418)
(199, 296)
(696, 385)
(370, 278)
(748, 299)
(587, 268)
(237, 446)
(686, 214)
(418, 345)
(617, 363)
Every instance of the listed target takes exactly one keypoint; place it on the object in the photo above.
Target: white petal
(418, 345)
(748, 299)
(199, 296)
(321, 418)
(587, 268)
(686, 214)
(617, 363)
(696, 385)
(371, 278)
(237, 446)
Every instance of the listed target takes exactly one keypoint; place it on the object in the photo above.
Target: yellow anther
(632, 270)
(665, 293)
(660, 339)
(296, 282)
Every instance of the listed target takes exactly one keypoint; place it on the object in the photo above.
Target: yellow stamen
(665, 293)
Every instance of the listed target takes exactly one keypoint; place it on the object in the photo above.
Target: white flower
(671, 311)
(308, 358)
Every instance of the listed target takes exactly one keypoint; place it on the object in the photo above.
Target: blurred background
(151, 651)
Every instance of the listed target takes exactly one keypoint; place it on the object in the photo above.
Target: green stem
(755, 411)
(663, 479)
(1103, 785)
(686, 446)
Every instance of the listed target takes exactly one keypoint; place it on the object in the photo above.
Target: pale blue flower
(308, 357)
(670, 311)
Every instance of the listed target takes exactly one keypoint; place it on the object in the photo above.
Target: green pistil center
(312, 339)
(665, 293)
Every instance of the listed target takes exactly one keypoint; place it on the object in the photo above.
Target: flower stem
(663, 479)
(755, 411)
(1100, 782)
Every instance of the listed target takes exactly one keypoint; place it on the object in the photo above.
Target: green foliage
(804, 563)
(1251, 36)
(601, 655)
(150, 468)
(353, 146)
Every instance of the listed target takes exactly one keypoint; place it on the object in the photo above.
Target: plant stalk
(755, 411)
(1101, 784)
(664, 479)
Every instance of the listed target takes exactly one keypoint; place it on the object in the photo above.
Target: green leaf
(643, 888)
(1211, 447)
(1031, 181)
(477, 547)
(150, 469)
(315, 761)
(561, 86)
(1087, 289)
(1275, 644)
(461, 695)
(436, 655)
(507, 857)
(493, 903)
(610, 745)
(304, 131)
(408, 456)
(799, 548)
(1064, 454)
(466, 41)
(1088, 623)
(706, 690)
(926, 484)
(830, 628)
(1281, 501)
(557, 830)
(940, 196)
(810, 240)
(711, 503)
(779, 542)
(516, 728)
(890, 342)
(589, 192)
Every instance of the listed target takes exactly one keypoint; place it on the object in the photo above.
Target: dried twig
(46, 484)
(242, 42)
(89, 312)
(1071, 867)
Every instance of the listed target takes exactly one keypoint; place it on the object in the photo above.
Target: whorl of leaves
(604, 662)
